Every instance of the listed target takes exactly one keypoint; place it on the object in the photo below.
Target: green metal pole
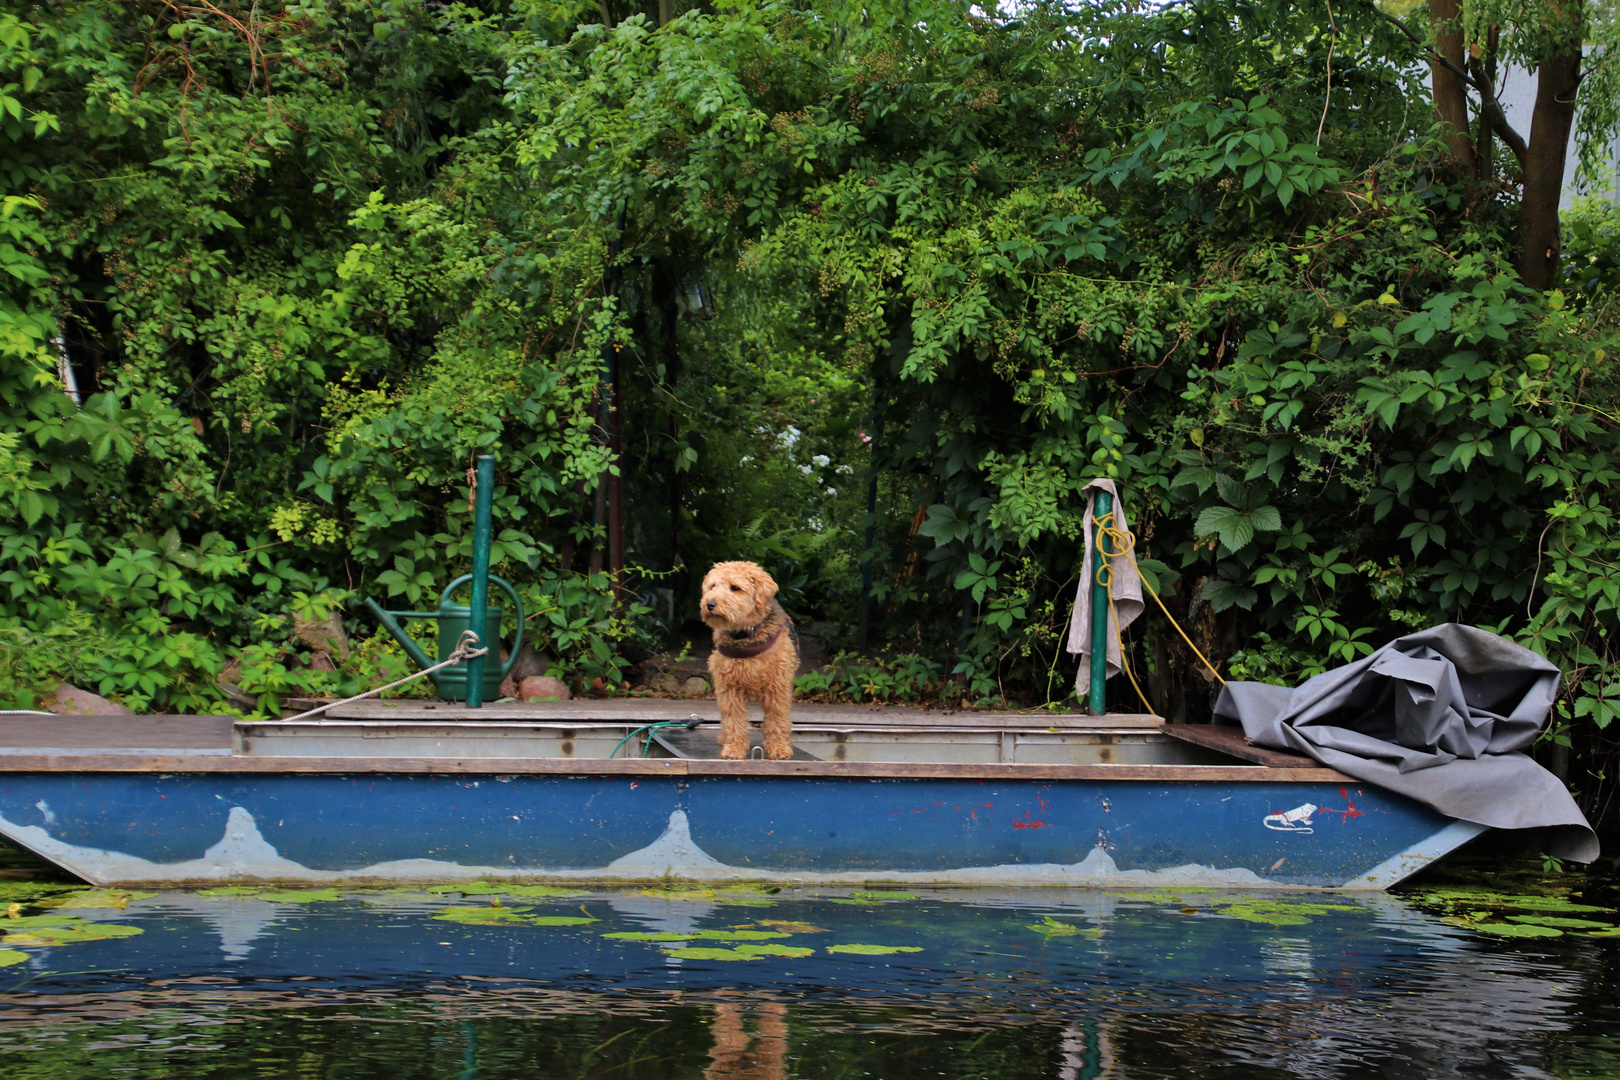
(1100, 622)
(483, 499)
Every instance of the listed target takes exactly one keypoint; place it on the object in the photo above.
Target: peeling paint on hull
(392, 828)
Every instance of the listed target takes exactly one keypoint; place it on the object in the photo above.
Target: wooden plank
(647, 710)
(154, 733)
(705, 743)
(1230, 740)
(108, 763)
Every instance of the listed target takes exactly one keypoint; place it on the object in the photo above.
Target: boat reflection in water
(751, 984)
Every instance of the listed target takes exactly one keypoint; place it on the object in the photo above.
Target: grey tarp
(1442, 716)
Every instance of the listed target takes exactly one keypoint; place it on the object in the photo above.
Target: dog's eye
(736, 588)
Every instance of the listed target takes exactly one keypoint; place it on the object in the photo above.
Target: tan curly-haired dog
(756, 654)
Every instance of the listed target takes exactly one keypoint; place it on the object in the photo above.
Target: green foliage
(959, 266)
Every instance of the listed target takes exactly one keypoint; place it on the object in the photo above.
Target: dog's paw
(732, 752)
(778, 751)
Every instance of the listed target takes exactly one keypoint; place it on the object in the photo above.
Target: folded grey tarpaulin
(1442, 716)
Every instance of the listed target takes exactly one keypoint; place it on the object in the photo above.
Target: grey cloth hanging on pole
(1126, 589)
(1443, 716)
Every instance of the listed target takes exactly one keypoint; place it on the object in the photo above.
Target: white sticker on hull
(243, 854)
(1297, 820)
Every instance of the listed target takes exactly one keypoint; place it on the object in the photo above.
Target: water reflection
(1030, 984)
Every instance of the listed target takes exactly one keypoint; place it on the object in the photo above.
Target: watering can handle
(506, 669)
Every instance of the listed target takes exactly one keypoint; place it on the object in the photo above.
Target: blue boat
(619, 792)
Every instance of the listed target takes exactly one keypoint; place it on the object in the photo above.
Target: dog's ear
(765, 586)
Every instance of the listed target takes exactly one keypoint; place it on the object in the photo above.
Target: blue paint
(344, 823)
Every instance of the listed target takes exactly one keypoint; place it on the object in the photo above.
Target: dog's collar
(743, 652)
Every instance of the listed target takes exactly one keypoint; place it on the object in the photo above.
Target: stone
(694, 686)
(528, 664)
(542, 686)
(321, 660)
(325, 634)
(71, 701)
(666, 682)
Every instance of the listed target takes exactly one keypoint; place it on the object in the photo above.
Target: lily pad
(788, 926)
(28, 922)
(776, 950)
(482, 916)
(230, 890)
(872, 950)
(1052, 928)
(678, 893)
(703, 953)
(1559, 921)
(1523, 930)
(627, 935)
(740, 935)
(1551, 903)
(70, 935)
(300, 896)
(9, 957)
(746, 901)
(539, 891)
(559, 920)
(96, 898)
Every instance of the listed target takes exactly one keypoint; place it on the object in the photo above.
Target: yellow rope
(1123, 541)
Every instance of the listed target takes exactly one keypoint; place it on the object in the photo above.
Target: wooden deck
(219, 744)
(807, 714)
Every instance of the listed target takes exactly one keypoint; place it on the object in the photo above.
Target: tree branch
(1494, 115)
(1489, 106)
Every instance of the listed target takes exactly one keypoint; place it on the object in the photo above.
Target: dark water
(1004, 985)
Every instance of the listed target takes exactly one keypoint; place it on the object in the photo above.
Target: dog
(756, 654)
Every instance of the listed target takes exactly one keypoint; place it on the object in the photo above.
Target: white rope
(466, 649)
(24, 712)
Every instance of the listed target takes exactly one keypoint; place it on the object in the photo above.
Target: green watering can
(451, 682)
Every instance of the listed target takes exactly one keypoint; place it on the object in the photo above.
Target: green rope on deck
(650, 729)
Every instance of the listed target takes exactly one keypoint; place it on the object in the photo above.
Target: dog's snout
(710, 604)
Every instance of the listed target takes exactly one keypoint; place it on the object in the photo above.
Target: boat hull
(129, 827)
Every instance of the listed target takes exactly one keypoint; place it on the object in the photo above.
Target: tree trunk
(1557, 80)
(1450, 93)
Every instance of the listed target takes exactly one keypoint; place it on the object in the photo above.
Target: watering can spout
(406, 642)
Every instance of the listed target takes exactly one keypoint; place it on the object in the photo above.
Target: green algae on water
(236, 891)
(874, 897)
(873, 950)
(96, 898)
(10, 957)
(527, 892)
(633, 935)
(788, 926)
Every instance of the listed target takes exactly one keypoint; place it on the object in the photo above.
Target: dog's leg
(777, 730)
(733, 722)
